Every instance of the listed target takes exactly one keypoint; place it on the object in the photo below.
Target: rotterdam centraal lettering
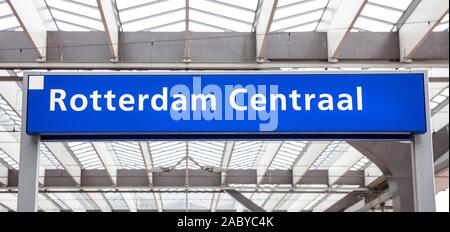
(211, 102)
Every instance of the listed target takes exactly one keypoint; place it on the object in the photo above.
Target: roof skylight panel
(260, 198)
(55, 199)
(295, 21)
(173, 200)
(86, 155)
(145, 201)
(331, 153)
(245, 154)
(398, 4)
(361, 164)
(8, 161)
(226, 202)
(206, 153)
(152, 15)
(298, 15)
(128, 154)
(439, 98)
(7, 19)
(13, 116)
(199, 201)
(48, 159)
(312, 204)
(116, 200)
(443, 24)
(380, 15)
(286, 156)
(76, 14)
(166, 154)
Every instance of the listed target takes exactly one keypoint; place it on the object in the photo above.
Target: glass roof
(86, 155)
(75, 15)
(381, 15)
(443, 24)
(48, 159)
(128, 155)
(298, 15)
(208, 15)
(439, 98)
(8, 21)
(329, 155)
(287, 155)
(168, 154)
(245, 154)
(116, 200)
(9, 118)
(56, 200)
(361, 164)
(6, 160)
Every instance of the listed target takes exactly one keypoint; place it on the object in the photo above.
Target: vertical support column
(29, 162)
(187, 34)
(423, 164)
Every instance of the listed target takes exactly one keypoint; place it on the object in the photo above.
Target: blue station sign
(139, 104)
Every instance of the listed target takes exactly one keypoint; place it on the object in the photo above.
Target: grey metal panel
(172, 178)
(435, 46)
(15, 46)
(63, 46)
(370, 46)
(297, 46)
(315, 177)
(277, 177)
(129, 177)
(440, 142)
(13, 178)
(199, 178)
(157, 47)
(93, 178)
(241, 177)
(151, 46)
(351, 178)
(222, 47)
(58, 177)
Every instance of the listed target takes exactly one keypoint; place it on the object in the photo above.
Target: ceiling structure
(83, 159)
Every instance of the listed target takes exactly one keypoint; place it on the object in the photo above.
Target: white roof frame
(28, 16)
(263, 23)
(111, 24)
(344, 17)
(419, 25)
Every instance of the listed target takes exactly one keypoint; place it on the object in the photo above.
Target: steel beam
(263, 24)
(343, 18)
(274, 65)
(419, 25)
(111, 25)
(28, 16)
(187, 34)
